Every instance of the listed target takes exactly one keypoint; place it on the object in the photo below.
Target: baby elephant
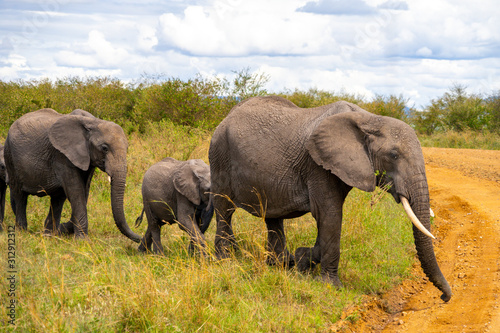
(176, 191)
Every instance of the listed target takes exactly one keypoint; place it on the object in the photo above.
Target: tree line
(203, 102)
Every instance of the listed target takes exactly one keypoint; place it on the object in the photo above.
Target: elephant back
(32, 126)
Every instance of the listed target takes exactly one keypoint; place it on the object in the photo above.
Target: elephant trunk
(206, 216)
(118, 180)
(419, 203)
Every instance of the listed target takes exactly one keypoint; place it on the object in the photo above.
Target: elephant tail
(138, 221)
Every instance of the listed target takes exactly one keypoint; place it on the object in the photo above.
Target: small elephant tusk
(432, 212)
(109, 179)
(414, 218)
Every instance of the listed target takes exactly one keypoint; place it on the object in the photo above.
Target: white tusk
(414, 218)
(431, 212)
(109, 179)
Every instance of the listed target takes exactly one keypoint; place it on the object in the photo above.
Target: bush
(390, 106)
(203, 102)
(198, 102)
(458, 111)
(315, 97)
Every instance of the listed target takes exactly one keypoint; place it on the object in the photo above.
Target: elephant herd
(268, 157)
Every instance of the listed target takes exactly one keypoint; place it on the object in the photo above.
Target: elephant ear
(339, 145)
(68, 135)
(186, 183)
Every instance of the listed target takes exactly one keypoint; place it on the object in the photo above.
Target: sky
(417, 49)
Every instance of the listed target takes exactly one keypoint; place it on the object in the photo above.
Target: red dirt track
(464, 186)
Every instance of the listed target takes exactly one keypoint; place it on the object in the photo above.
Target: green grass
(464, 140)
(103, 285)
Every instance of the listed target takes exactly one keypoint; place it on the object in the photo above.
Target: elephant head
(192, 180)
(91, 142)
(365, 150)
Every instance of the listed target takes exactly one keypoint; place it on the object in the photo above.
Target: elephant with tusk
(270, 153)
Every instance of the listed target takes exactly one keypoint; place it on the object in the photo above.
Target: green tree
(461, 111)
(493, 110)
(247, 84)
(390, 106)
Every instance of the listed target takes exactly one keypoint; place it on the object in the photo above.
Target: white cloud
(146, 39)
(13, 66)
(249, 28)
(424, 52)
(97, 52)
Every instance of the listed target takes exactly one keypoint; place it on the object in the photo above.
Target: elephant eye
(394, 155)
(104, 148)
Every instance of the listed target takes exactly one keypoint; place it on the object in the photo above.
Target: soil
(464, 185)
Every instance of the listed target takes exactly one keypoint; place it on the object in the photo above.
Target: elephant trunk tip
(446, 297)
(446, 289)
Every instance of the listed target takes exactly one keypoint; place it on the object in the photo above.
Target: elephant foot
(284, 259)
(22, 225)
(82, 236)
(333, 280)
(142, 248)
(224, 248)
(67, 228)
(304, 259)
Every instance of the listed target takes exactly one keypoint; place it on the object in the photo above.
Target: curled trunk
(117, 194)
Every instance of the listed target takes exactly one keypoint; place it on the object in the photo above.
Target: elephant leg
(153, 228)
(327, 200)
(3, 188)
(224, 236)
(146, 241)
(329, 232)
(54, 216)
(69, 227)
(75, 190)
(197, 239)
(306, 258)
(19, 201)
(156, 238)
(276, 244)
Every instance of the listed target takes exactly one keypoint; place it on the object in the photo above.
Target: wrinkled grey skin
(3, 186)
(271, 156)
(176, 192)
(48, 153)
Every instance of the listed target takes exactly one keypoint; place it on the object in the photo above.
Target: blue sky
(416, 48)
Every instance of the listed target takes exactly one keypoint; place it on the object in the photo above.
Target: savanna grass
(463, 140)
(103, 284)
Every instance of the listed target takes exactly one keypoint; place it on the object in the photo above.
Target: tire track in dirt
(465, 196)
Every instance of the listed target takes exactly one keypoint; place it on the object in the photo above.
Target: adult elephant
(270, 157)
(3, 186)
(48, 153)
(176, 192)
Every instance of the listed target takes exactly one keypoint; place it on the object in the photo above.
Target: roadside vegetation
(103, 285)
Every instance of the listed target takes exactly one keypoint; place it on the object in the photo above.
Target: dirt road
(465, 196)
